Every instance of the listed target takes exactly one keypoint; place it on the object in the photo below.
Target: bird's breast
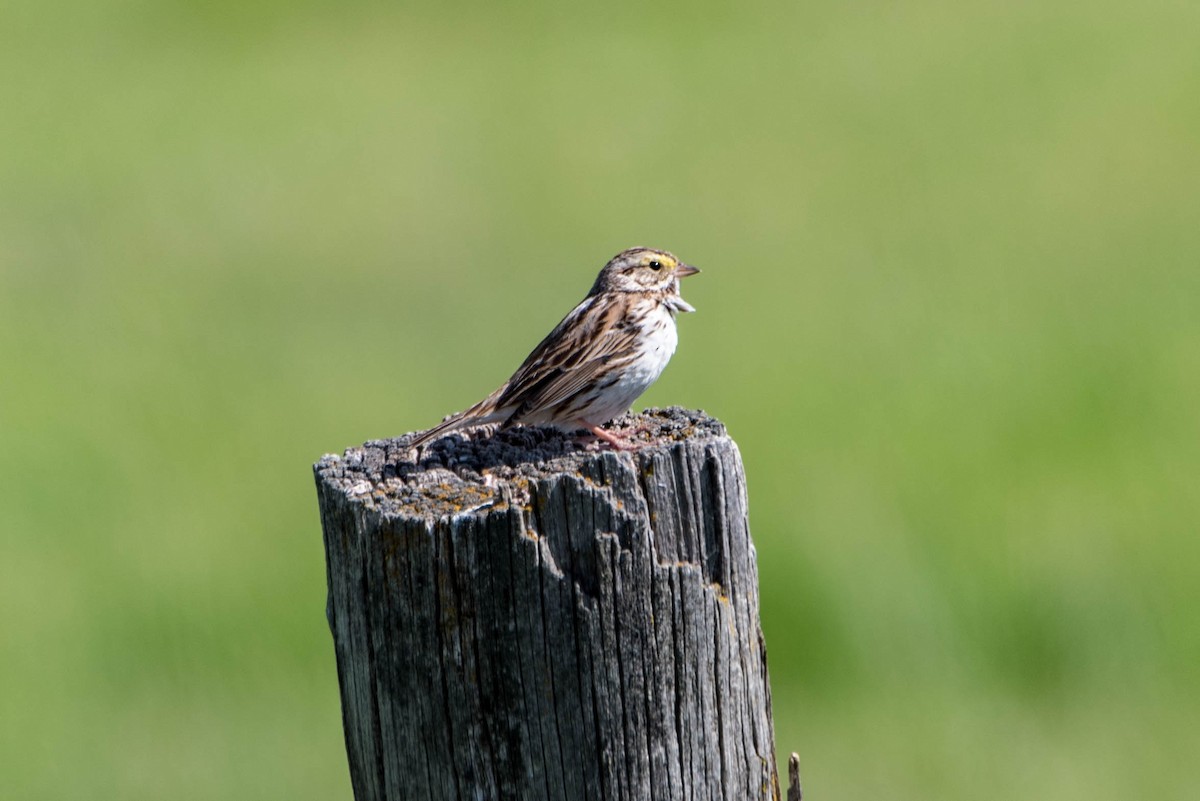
(631, 374)
(659, 343)
(656, 345)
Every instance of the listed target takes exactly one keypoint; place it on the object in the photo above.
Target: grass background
(949, 311)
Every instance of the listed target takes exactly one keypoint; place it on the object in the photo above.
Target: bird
(595, 363)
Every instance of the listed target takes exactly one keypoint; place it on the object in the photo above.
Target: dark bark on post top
(515, 617)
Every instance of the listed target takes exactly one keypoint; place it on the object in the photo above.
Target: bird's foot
(612, 439)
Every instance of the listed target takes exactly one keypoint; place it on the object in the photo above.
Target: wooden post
(517, 617)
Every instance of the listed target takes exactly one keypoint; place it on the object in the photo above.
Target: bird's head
(644, 270)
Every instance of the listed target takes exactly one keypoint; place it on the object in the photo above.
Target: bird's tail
(477, 415)
(451, 423)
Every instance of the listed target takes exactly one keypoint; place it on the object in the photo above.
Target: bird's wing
(570, 358)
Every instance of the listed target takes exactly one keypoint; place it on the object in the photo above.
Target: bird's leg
(612, 439)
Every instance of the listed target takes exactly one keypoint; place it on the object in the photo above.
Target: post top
(469, 470)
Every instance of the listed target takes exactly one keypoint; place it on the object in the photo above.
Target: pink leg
(613, 440)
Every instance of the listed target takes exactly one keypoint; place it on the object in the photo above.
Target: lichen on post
(516, 615)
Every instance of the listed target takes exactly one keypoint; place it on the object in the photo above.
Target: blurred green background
(949, 310)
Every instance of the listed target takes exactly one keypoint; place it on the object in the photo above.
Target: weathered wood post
(516, 617)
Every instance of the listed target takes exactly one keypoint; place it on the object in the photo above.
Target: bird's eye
(656, 265)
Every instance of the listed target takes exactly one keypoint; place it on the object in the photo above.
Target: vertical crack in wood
(551, 572)
(376, 727)
(554, 710)
(528, 674)
(644, 581)
(411, 544)
(720, 698)
(682, 734)
(609, 648)
(490, 784)
(587, 685)
(468, 531)
(441, 620)
(519, 731)
(496, 695)
(372, 678)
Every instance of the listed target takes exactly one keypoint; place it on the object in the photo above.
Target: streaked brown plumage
(599, 359)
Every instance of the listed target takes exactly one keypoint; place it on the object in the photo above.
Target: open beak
(684, 270)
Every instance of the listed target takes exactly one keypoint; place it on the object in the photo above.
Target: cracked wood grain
(516, 616)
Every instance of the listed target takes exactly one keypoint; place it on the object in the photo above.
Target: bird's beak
(684, 270)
